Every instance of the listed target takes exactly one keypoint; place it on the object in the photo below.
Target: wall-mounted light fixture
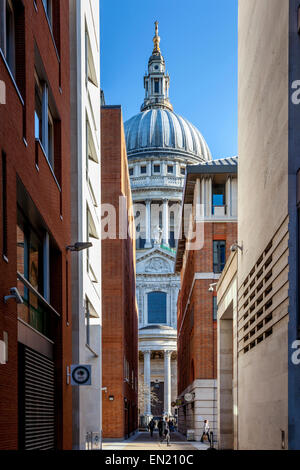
(212, 287)
(79, 246)
(111, 397)
(14, 294)
(235, 247)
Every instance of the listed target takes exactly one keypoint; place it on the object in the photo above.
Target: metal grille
(39, 406)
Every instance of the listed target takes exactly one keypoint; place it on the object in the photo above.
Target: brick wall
(51, 201)
(120, 318)
(197, 332)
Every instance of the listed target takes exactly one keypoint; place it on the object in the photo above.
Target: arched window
(157, 307)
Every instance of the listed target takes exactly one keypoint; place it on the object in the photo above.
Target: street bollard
(211, 441)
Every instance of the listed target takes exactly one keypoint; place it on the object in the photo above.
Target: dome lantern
(157, 81)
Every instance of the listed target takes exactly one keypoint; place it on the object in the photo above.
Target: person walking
(160, 428)
(151, 427)
(205, 430)
(166, 431)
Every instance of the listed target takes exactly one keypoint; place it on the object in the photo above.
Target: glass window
(143, 170)
(4, 206)
(182, 171)
(156, 86)
(38, 114)
(215, 308)
(7, 33)
(218, 195)
(170, 169)
(172, 241)
(140, 243)
(157, 307)
(130, 171)
(48, 9)
(156, 168)
(219, 255)
(50, 139)
(42, 113)
(30, 254)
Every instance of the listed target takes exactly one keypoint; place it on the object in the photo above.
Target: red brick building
(211, 190)
(119, 308)
(35, 400)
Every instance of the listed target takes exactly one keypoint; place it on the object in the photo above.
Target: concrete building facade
(266, 413)
(86, 217)
(211, 190)
(160, 144)
(35, 293)
(120, 316)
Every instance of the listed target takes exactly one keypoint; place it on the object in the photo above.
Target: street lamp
(14, 294)
(79, 246)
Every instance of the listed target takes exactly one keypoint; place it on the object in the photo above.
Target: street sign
(81, 374)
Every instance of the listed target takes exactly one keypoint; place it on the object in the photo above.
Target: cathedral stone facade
(160, 144)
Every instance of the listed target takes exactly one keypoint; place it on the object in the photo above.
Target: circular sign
(81, 375)
(188, 397)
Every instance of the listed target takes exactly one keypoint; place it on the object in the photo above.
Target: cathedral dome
(160, 129)
(157, 129)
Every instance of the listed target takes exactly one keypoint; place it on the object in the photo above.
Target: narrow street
(143, 441)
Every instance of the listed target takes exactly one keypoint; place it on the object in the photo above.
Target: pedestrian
(160, 428)
(166, 431)
(151, 427)
(206, 428)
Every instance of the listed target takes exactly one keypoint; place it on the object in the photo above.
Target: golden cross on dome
(156, 39)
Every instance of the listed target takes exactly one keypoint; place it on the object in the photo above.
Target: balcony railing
(157, 181)
(35, 311)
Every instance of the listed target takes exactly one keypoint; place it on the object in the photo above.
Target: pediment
(155, 261)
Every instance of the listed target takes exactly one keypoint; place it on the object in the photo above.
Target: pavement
(143, 441)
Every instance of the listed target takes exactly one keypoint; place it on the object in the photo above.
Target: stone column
(228, 197)
(166, 222)
(147, 383)
(148, 243)
(209, 196)
(167, 386)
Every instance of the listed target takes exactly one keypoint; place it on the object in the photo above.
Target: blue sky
(199, 44)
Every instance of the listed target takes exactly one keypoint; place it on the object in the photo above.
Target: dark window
(182, 171)
(4, 206)
(170, 169)
(12, 39)
(88, 316)
(30, 253)
(215, 308)
(32, 265)
(156, 168)
(130, 171)
(143, 170)
(157, 307)
(140, 243)
(156, 86)
(172, 242)
(7, 33)
(219, 255)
